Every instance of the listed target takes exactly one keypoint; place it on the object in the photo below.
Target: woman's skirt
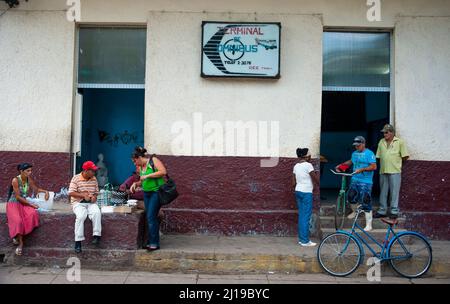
(21, 219)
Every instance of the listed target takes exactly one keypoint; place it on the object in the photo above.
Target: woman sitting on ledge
(22, 214)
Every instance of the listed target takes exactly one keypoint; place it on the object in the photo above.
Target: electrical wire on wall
(2, 13)
(11, 4)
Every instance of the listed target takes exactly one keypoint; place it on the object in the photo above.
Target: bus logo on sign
(241, 50)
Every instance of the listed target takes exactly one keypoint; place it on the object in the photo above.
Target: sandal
(151, 248)
(18, 251)
(15, 242)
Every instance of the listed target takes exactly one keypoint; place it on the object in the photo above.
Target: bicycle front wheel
(339, 254)
(339, 214)
(410, 255)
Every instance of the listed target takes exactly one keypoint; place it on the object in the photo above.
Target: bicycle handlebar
(342, 173)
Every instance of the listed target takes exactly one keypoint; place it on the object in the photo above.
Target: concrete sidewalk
(193, 254)
(55, 275)
(257, 254)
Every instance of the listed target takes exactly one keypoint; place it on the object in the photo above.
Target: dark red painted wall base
(51, 171)
(119, 232)
(425, 197)
(234, 195)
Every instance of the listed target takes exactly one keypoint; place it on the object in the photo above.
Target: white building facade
(223, 192)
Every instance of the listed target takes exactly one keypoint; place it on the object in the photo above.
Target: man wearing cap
(83, 191)
(360, 190)
(391, 152)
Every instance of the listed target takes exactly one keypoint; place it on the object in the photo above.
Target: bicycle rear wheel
(339, 254)
(339, 214)
(410, 255)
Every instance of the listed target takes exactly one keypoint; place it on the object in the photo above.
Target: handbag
(168, 192)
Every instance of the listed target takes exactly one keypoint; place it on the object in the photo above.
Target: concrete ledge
(56, 230)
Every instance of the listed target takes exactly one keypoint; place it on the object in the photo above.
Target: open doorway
(113, 124)
(109, 108)
(355, 101)
(346, 115)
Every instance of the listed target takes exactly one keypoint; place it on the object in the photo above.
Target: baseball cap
(359, 140)
(89, 165)
(388, 128)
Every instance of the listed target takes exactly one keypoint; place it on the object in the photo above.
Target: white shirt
(304, 181)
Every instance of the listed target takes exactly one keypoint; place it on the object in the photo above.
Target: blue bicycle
(409, 253)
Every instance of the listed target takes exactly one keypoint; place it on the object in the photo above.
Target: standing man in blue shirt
(360, 190)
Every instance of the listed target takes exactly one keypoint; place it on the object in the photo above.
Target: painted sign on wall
(240, 49)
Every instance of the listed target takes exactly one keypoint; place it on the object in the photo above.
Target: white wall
(175, 89)
(349, 13)
(36, 81)
(422, 86)
(36, 84)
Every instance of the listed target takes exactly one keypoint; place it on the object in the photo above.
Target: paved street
(33, 275)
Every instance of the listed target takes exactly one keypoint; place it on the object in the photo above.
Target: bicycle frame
(383, 255)
(343, 191)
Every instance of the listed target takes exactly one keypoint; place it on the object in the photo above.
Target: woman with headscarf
(305, 178)
(22, 214)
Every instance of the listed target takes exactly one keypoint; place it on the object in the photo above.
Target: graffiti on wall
(124, 138)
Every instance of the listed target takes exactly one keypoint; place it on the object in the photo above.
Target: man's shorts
(360, 193)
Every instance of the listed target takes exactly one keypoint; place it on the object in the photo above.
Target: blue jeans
(360, 193)
(304, 204)
(152, 206)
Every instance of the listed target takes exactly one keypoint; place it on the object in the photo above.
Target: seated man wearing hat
(83, 191)
(360, 190)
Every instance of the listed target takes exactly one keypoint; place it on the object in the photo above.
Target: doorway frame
(391, 32)
(75, 126)
(391, 90)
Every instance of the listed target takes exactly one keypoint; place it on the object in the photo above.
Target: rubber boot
(353, 214)
(368, 221)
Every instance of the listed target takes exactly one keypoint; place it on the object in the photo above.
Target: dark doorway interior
(344, 116)
(113, 124)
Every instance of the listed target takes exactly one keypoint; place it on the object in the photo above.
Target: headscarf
(24, 166)
(302, 152)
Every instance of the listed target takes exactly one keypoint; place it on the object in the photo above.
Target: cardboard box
(124, 209)
(108, 209)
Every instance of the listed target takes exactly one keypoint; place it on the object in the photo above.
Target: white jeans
(83, 210)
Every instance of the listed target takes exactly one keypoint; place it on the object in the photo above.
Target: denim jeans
(152, 206)
(304, 204)
(360, 193)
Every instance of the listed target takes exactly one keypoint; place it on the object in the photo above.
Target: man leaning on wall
(392, 153)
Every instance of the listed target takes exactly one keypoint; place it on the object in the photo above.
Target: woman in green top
(152, 172)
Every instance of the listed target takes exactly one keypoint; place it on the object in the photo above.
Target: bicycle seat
(389, 221)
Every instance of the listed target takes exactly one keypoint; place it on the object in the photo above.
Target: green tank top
(23, 189)
(150, 184)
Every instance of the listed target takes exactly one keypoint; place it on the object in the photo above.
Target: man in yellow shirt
(391, 152)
